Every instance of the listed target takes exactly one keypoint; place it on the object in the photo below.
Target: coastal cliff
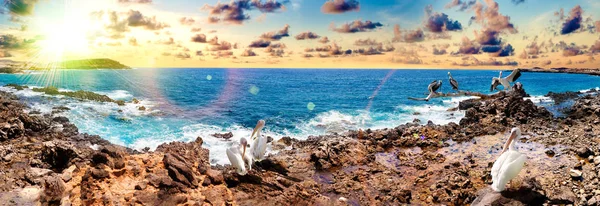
(45, 160)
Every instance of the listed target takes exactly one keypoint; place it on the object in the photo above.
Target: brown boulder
(180, 170)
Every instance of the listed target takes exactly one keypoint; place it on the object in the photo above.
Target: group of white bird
(243, 161)
(505, 168)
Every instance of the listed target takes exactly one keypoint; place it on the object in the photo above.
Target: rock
(179, 169)
(223, 136)
(98, 173)
(141, 185)
(54, 190)
(135, 101)
(142, 108)
(597, 160)
(216, 177)
(58, 155)
(576, 174)
(584, 152)
(287, 141)
(550, 152)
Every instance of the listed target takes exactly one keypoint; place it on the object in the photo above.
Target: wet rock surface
(409, 164)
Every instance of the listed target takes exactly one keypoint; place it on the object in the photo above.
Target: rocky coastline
(44, 160)
(589, 71)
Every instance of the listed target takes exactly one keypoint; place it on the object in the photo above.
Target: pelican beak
(254, 132)
(244, 150)
(512, 137)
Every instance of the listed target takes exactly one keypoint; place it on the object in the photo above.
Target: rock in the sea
(223, 136)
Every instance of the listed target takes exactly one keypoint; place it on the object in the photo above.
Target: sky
(304, 33)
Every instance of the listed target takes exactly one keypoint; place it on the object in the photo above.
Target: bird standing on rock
(453, 82)
(237, 154)
(259, 147)
(509, 164)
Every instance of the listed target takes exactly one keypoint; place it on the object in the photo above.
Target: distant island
(12, 67)
(102, 63)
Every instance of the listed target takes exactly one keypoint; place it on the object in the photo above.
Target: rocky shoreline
(595, 72)
(45, 160)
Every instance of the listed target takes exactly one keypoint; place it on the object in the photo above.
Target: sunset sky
(305, 33)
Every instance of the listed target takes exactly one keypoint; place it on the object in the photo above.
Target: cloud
(234, 11)
(222, 46)
(137, 19)
(408, 36)
(437, 51)
(366, 42)
(261, 43)
(183, 55)
(307, 35)
(597, 26)
(373, 50)
(573, 22)
(9, 41)
(169, 41)
(213, 41)
(468, 47)
(572, 50)
(499, 51)
(324, 40)
(135, 1)
(439, 22)
(133, 41)
(340, 6)
(20, 7)
(595, 47)
(248, 53)
(199, 38)
(277, 35)
(270, 6)
(356, 26)
(472, 61)
(491, 19)
(199, 53)
(4, 54)
(407, 60)
(222, 54)
(463, 5)
(186, 21)
(195, 29)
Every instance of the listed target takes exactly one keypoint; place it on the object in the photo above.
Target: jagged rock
(54, 190)
(584, 152)
(216, 177)
(58, 155)
(179, 169)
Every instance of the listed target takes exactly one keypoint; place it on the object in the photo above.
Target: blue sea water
(186, 103)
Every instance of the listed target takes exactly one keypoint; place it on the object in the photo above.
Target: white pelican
(505, 81)
(434, 86)
(453, 82)
(237, 154)
(509, 164)
(259, 147)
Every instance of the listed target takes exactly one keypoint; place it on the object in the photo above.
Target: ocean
(183, 104)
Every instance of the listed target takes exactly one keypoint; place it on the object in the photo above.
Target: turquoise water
(186, 103)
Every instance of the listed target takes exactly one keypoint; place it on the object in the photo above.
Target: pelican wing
(235, 158)
(495, 83)
(259, 148)
(514, 76)
(431, 86)
(454, 83)
(436, 86)
(506, 168)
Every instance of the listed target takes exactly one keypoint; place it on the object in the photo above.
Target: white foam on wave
(118, 94)
(589, 90)
(540, 99)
